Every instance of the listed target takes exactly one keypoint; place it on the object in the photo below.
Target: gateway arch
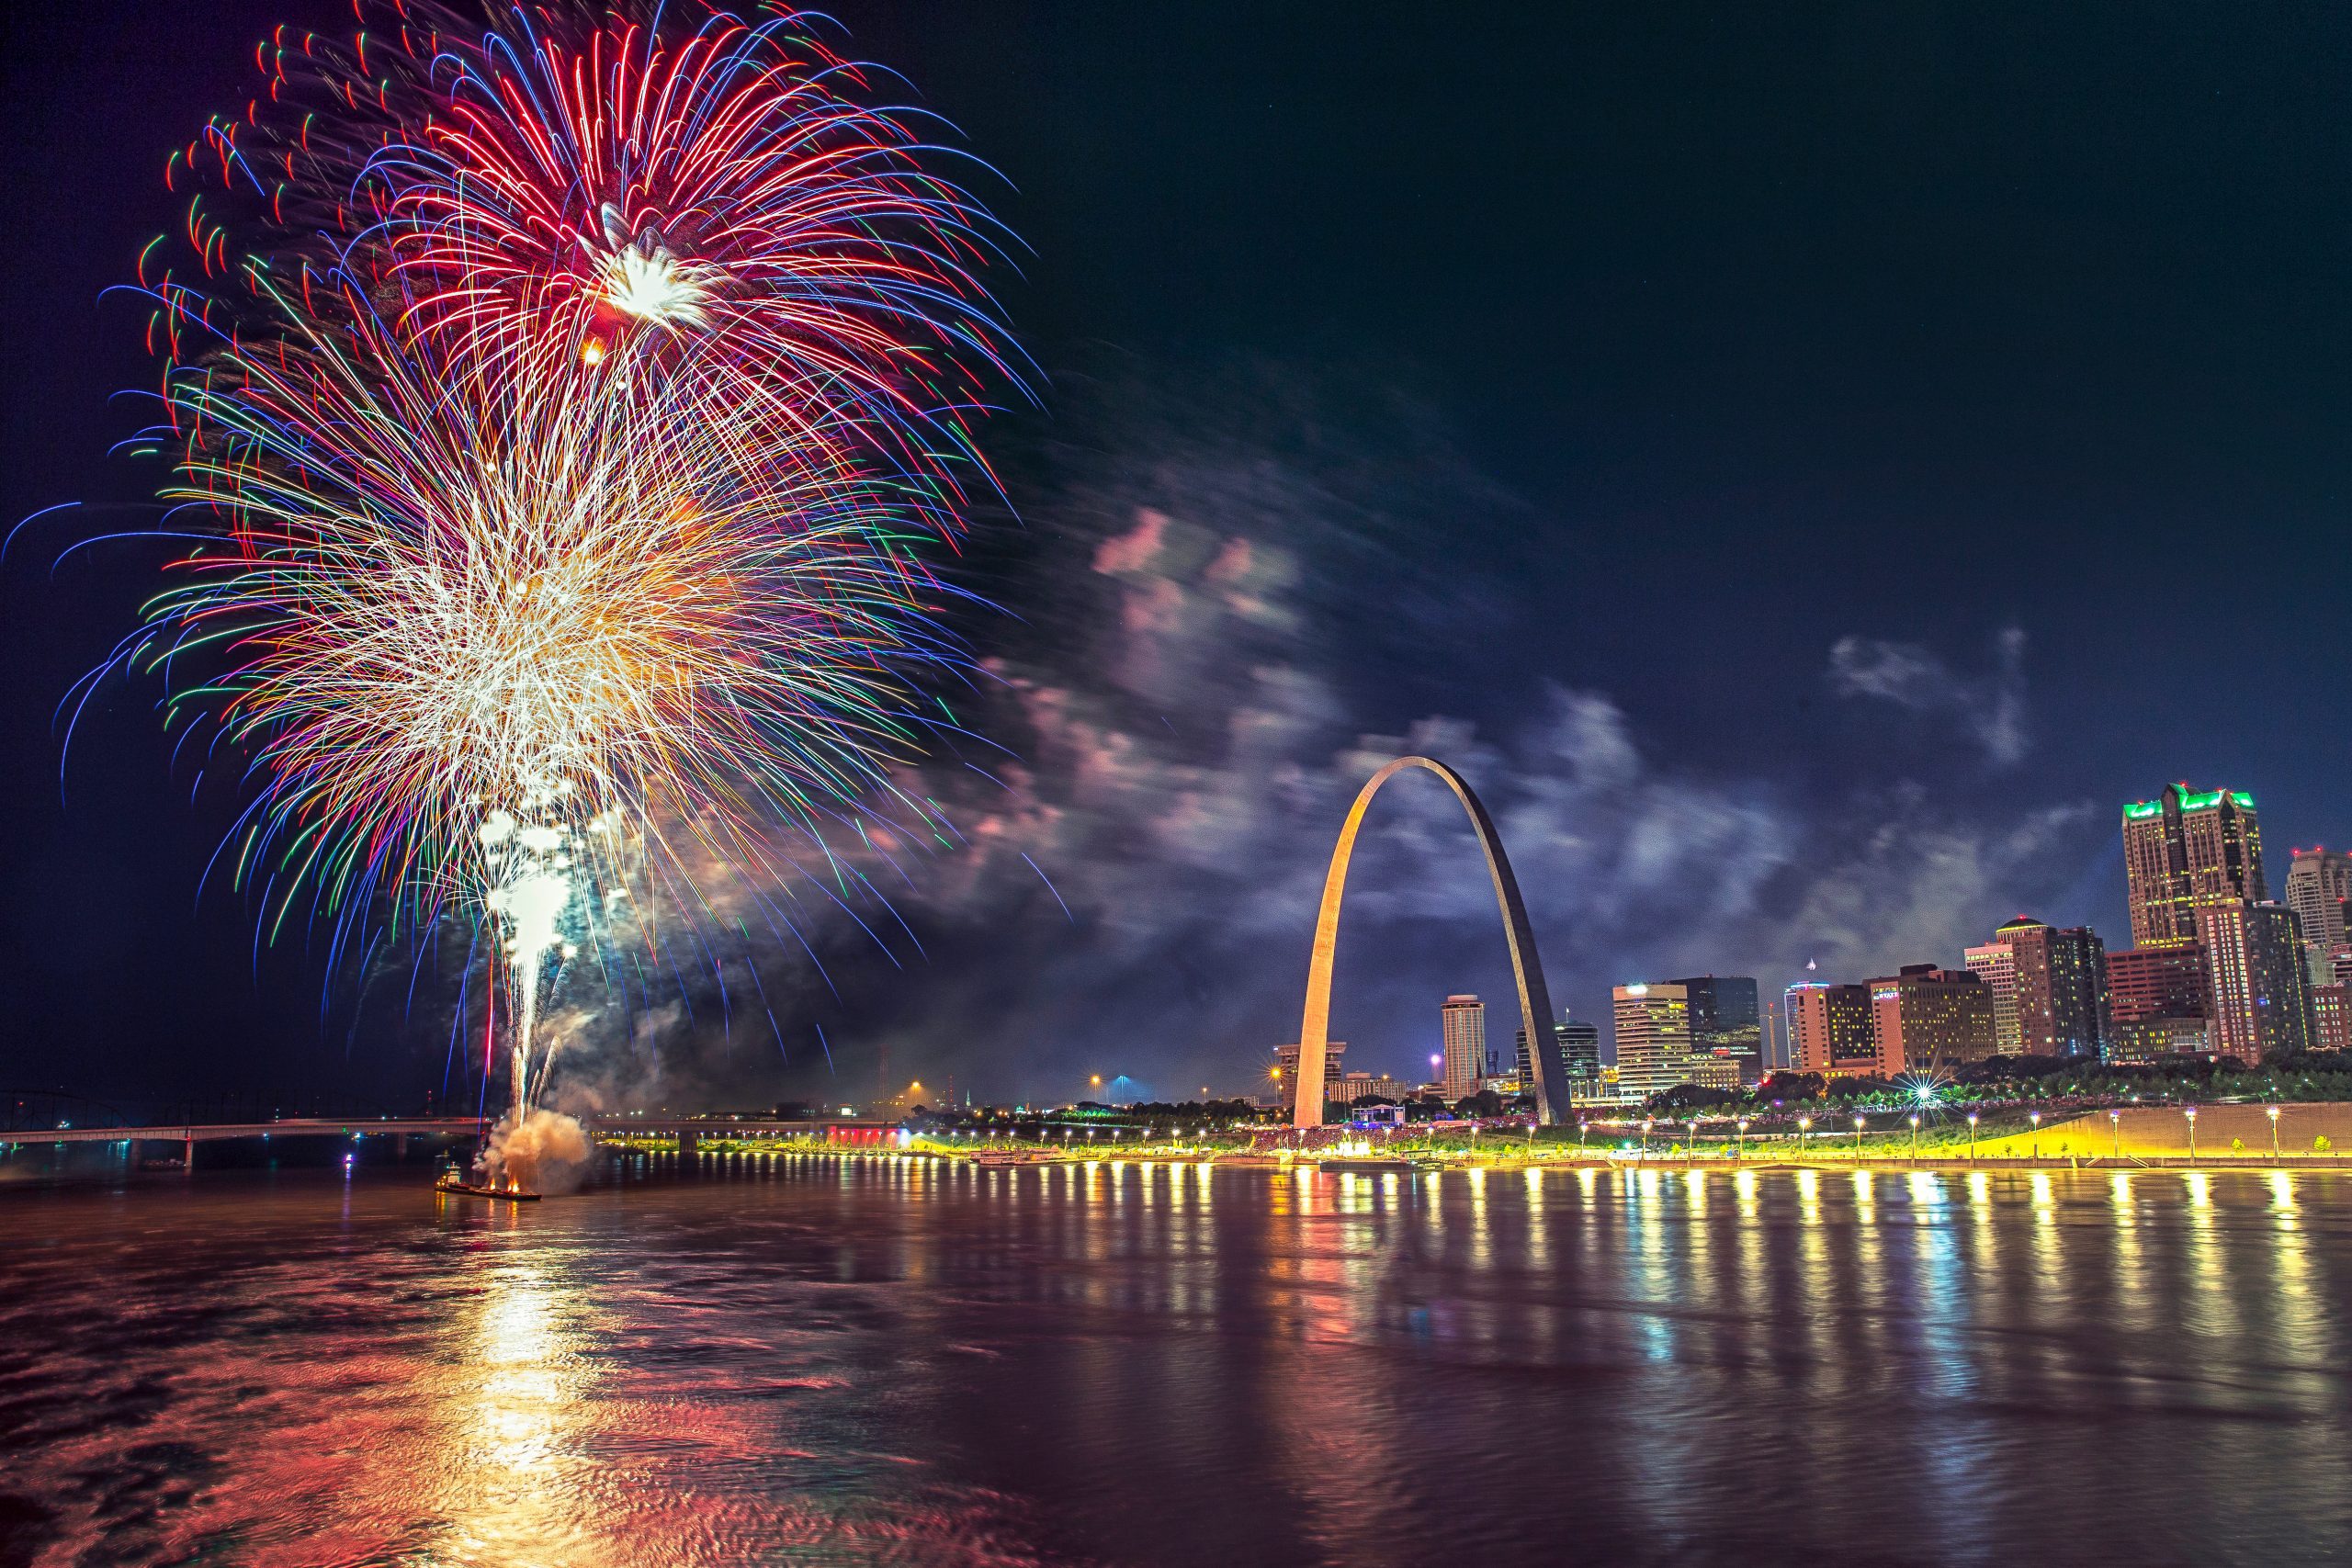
(1535, 1001)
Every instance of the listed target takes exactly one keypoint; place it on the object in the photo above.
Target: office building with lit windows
(1726, 1021)
(2261, 987)
(2184, 849)
(1579, 1048)
(2059, 986)
(1997, 962)
(1463, 1023)
(1653, 1038)
(2331, 1017)
(1830, 1030)
(2157, 982)
(2318, 881)
(1930, 1019)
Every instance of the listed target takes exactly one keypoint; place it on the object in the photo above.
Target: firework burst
(571, 427)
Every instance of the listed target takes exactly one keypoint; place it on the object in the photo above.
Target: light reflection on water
(819, 1361)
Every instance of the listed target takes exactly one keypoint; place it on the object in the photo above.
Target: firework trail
(566, 409)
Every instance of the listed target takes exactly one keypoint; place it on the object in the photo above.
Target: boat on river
(454, 1180)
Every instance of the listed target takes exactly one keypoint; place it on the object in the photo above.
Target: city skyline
(2253, 976)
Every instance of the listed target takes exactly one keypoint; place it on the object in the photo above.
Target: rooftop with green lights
(2141, 811)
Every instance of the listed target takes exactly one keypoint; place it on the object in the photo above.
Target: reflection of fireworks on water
(575, 463)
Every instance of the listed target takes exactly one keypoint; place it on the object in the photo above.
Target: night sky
(1808, 468)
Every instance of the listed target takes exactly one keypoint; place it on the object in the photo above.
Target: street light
(1743, 1138)
(1915, 1137)
(1580, 1129)
(2275, 1157)
(1645, 1137)
(1805, 1139)
(2035, 1117)
(1972, 1137)
(1857, 1140)
(1690, 1131)
(2191, 1114)
(2115, 1133)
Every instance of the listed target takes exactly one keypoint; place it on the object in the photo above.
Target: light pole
(2191, 1114)
(2035, 1117)
(1743, 1139)
(1645, 1137)
(2115, 1133)
(1805, 1135)
(1972, 1137)
(2276, 1159)
(1915, 1137)
(1690, 1131)
(1580, 1127)
(1858, 1140)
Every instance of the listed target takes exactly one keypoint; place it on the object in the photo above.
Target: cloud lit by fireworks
(567, 413)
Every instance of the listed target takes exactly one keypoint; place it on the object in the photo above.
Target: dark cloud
(1990, 708)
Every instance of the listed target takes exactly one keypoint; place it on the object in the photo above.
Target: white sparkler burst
(652, 284)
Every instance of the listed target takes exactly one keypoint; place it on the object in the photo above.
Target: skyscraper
(2261, 989)
(1725, 1021)
(2183, 850)
(1653, 1038)
(1464, 1022)
(1997, 962)
(1924, 1017)
(1579, 1048)
(2318, 881)
(1830, 1030)
(2059, 984)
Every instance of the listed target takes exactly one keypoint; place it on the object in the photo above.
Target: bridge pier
(400, 1147)
(187, 1154)
(686, 1143)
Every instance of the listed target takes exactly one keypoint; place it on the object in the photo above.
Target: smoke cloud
(548, 1152)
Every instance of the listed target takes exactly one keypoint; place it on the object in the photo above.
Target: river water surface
(821, 1360)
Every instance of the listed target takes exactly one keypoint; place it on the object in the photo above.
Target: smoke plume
(547, 1153)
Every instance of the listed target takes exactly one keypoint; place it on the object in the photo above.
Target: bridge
(687, 1130)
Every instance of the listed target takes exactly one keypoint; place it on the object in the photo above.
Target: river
(824, 1360)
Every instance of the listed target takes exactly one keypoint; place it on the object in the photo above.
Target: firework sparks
(573, 497)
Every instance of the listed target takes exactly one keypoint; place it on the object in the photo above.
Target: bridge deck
(455, 1126)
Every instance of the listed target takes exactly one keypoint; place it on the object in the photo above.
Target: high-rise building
(1653, 1038)
(2183, 850)
(1464, 1022)
(1581, 1042)
(2331, 1017)
(2059, 986)
(1725, 1021)
(1927, 1017)
(2157, 982)
(1286, 1073)
(1579, 1048)
(1997, 962)
(2318, 881)
(2261, 990)
(1830, 1029)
